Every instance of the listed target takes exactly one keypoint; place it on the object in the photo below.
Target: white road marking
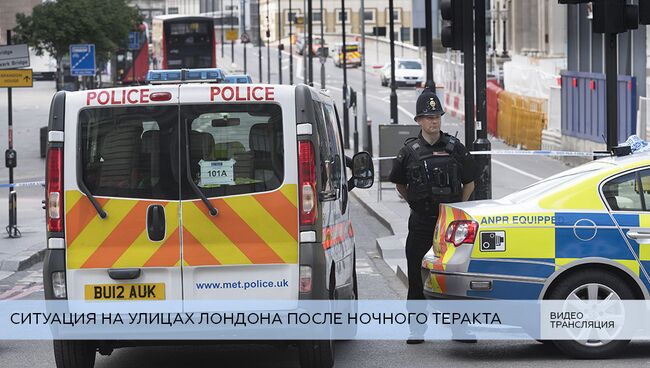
(524, 173)
(364, 268)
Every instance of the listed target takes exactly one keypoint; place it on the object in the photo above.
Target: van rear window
(229, 149)
(235, 148)
(130, 151)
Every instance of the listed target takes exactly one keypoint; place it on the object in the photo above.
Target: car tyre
(384, 83)
(316, 354)
(74, 354)
(319, 353)
(579, 280)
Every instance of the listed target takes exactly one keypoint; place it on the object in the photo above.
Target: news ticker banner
(314, 320)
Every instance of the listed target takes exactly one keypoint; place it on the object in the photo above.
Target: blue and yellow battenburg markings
(538, 244)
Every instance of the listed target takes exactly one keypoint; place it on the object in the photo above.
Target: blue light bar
(238, 79)
(185, 75)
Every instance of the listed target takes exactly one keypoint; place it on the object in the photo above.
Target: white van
(163, 191)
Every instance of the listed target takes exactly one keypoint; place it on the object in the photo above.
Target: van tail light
(461, 232)
(54, 190)
(307, 182)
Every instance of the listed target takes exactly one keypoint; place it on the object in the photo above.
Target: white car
(408, 72)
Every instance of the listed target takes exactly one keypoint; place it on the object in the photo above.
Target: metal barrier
(521, 120)
(493, 91)
(584, 108)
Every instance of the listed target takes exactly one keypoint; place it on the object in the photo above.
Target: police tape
(24, 184)
(527, 153)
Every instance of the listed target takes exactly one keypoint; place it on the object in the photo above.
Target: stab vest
(433, 177)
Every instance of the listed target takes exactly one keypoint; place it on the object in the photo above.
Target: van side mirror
(363, 171)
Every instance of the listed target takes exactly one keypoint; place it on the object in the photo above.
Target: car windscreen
(235, 148)
(409, 65)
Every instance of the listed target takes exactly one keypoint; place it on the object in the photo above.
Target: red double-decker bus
(132, 66)
(181, 41)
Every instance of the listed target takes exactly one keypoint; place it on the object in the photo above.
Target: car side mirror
(363, 171)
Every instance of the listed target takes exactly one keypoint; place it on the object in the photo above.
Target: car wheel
(383, 82)
(316, 354)
(319, 353)
(74, 354)
(591, 285)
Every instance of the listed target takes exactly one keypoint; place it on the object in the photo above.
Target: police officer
(431, 169)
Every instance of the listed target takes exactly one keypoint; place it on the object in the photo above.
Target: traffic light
(451, 12)
(644, 11)
(615, 16)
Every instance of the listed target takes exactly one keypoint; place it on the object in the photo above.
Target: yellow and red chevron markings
(250, 229)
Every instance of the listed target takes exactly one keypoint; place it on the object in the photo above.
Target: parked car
(579, 236)
(408, 73)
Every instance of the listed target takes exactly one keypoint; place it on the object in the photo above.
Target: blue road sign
(82, 59)
(134, 40)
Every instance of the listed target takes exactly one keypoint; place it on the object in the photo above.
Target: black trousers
(418, 243)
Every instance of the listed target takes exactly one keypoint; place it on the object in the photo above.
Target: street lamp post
(232, 42)
(243, 12)
(344, 63)
(310, 40)
(504, 16)
(428, 17)
(268, 45)
(291, 18)
(484, 182)
(364, 110)
(223, 50)
(322, 43)
(393, 86)
(259, 41)
(279, 42)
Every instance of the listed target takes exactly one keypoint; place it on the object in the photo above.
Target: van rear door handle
(633, 234)
(156, 222)
(124, 273)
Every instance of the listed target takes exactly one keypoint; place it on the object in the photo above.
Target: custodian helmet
(428, 104)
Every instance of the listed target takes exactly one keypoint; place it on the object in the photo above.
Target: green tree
(55, 25)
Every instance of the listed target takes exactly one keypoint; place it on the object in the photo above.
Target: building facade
(276, 17)
(8, 11)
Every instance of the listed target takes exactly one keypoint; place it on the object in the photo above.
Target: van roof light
(185, 75)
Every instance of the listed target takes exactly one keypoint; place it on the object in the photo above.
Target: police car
(167, 191)
(583, 233)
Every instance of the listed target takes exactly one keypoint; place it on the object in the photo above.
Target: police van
(175, 190)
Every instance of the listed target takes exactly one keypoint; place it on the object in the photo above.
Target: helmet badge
(432, 103)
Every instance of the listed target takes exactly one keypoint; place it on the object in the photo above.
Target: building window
(340, 16)
(172, 11)
(397, 15)
(379, 31)
(370, 16)
(290, 16)
(316, 16)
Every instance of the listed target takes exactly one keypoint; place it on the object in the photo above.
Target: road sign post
(13, 56)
